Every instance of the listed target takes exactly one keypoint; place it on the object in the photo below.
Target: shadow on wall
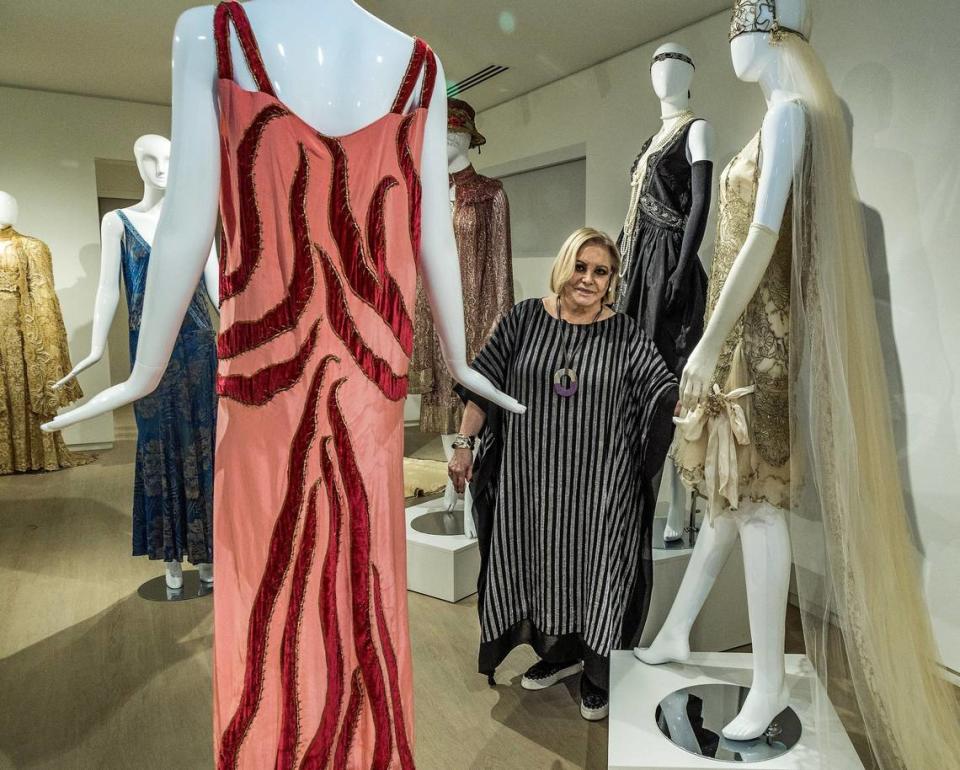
(872, 111)
(77, 299)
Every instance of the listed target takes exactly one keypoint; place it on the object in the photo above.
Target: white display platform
(443, 566)
(723, 622)
(636, 743)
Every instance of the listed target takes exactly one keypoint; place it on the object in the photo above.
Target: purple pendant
(565, 390)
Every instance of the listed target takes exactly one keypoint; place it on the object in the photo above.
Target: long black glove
(701, 185)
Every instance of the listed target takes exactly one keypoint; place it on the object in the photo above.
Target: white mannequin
(671, 79)
(762, 527)
(336, 86)
(152, 153)
(9, 211)
(458, 148)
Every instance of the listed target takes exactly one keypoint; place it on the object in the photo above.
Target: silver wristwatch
(463, 441)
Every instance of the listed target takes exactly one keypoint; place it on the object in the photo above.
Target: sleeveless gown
(735, 445)
(320, 241)
(176, 425)
(651, 244)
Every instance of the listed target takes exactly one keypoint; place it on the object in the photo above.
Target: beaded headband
(672, 55)
(758, 16)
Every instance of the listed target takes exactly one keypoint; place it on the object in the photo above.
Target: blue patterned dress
(176, 427)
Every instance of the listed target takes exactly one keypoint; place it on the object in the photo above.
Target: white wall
(896, 66)
(546, 205)
(48, 143)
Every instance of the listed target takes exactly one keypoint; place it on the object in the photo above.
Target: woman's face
(591, 277)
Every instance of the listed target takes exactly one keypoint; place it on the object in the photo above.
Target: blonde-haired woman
(561, 493)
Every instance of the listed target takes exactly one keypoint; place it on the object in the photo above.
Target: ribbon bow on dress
(726, 427)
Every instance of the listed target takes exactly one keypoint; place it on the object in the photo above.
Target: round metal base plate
(693, 719)
(156, 590)
(440, 522)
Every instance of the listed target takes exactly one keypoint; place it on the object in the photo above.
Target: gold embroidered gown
(33, 356)
(736, 445)
(481, 225)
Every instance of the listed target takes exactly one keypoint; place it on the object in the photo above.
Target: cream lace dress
(735, 445)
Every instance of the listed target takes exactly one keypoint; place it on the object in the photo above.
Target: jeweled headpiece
(672, 55)
(758, 16)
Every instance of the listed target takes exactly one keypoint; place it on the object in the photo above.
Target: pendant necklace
(565, 382)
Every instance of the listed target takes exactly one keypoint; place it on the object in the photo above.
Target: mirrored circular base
(693, 719)
(156, 590)
(440, 522)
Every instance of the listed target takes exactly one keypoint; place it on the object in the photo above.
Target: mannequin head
(755, 52)
(458, 145)
(153, 159)
(670, 75)
(9, 211)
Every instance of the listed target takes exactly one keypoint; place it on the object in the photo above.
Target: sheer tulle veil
(865, 619)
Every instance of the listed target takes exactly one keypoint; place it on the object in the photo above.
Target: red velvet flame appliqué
(360, 580)
(387, 298)
(393, 673)
(350, 723)
(375, 287)
(260, 388)
(274, 574)
(251, 228)
(290, 705)
(376, 369)
(243, 336)
(414, 192)
(318, 752)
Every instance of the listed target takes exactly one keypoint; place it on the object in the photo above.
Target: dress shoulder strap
(232, 11)
(421, 60)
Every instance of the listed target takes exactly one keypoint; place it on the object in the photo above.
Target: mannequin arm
(438, 257)
(701, 184)
(108, 295)
(211, 278)
(784, 129)
(185, 230)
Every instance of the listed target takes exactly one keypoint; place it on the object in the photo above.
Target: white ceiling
(121, 48)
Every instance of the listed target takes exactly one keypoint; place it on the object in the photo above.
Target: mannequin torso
(334, 90)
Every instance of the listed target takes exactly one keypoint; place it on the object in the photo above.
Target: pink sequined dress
(320, 242)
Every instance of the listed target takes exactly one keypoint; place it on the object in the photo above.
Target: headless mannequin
(336, 86)
(458, 147)
(763, 530)
(152, 154)
(671, 79)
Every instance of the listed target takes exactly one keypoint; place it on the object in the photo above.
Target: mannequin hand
(143, 380)
(477, 383)
(672, 292)
(698, 375)
(460, 469)
(85, 364)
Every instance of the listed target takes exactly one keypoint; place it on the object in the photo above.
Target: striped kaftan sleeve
(655, 394)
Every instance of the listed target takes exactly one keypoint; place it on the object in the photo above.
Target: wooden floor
(94, 677)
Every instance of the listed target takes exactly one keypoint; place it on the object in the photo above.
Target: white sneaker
(206, 572)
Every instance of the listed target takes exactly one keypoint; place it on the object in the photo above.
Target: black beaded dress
(664, 226)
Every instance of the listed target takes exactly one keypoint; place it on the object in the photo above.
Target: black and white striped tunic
(567, 532)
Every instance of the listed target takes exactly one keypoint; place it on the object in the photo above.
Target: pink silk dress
(318, 275)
